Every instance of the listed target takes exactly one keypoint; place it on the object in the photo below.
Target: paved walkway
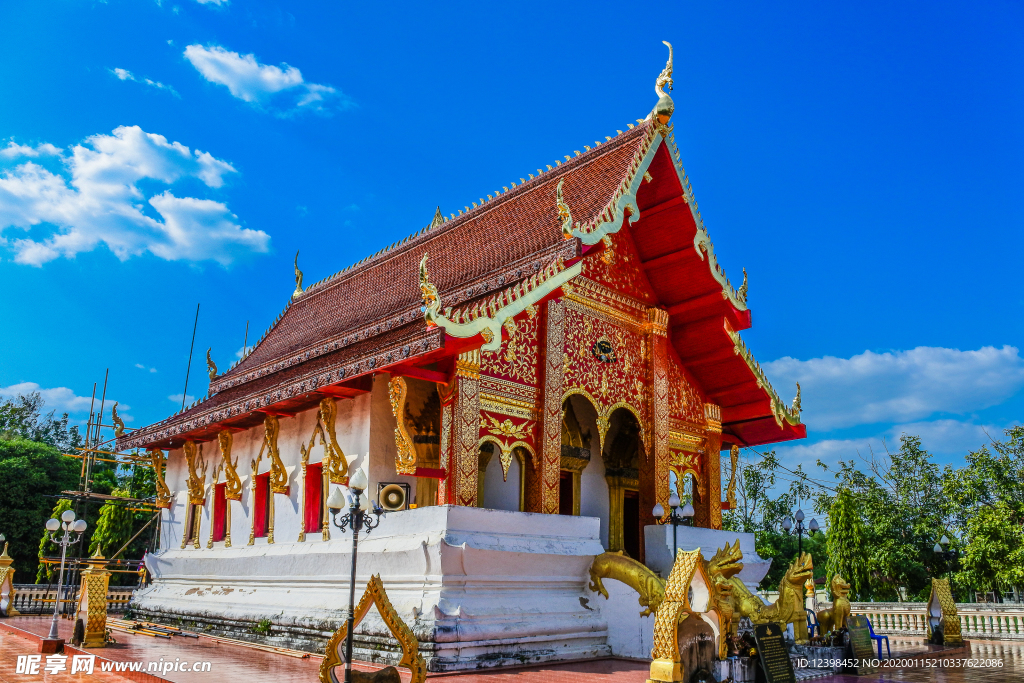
(992, 661)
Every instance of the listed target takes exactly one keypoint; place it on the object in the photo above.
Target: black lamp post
(70, 525)
(948, 556)
(358, 517)
(812, 528)
(676, 517)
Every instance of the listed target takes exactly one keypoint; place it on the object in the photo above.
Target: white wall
(499, 494)
(352, 428)
(594, 494)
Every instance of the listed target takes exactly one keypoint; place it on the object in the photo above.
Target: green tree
(987, 504)
(21, 417)
(32, 475)
(846, 549)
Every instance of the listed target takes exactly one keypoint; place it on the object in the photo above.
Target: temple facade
(569, 347)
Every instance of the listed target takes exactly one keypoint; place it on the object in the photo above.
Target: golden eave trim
(702, 240)
(611, 219)
(487, 317)
(780, 410)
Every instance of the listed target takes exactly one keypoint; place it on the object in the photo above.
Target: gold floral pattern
(516, 360)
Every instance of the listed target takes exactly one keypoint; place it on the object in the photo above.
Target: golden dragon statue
(732, 599)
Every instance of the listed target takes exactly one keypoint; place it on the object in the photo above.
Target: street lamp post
(675, 518)
(357, 518)
(70, 525)
(812, 528)
(947, 555)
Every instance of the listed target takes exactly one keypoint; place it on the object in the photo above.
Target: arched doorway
(494, 490)
(622, 452)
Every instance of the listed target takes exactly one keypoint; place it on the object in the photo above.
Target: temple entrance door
(621, 455)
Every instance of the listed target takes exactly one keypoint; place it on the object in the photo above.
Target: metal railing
(977, 620)
(31, 598)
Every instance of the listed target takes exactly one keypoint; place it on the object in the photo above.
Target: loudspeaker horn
(393, 496)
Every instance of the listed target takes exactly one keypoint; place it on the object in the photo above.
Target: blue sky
(863, 163)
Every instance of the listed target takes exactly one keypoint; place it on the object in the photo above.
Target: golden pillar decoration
(445, 490)
(163, 494)
(545, 490)
(708, 507)
(335, 463)
(464, 461)
(730, 490)
(92, 600)
(334, 656)
(942, 615)
(405, 453)
(302, 497)
(278, 473)
(7, 586)
(255, 468)
(196, 483)
(674, 610)
(654, 475)
(233, 483)
(617, 487)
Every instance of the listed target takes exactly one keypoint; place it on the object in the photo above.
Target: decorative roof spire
(116, 419)
(298, 278)
(438, 219)
(663, 110)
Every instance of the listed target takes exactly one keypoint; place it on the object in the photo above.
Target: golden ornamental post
(7, 585)
(92, 604)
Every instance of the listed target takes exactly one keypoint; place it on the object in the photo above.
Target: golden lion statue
(835, 617)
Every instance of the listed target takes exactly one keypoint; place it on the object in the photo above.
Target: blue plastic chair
(871, 630)
(812, 623)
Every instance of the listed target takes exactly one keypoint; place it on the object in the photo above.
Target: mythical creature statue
(298, 278)
(722, 569)
(789, 608)
(431, 298)
(835, 617)
(630, 572)
(118, 422)
(211, 367)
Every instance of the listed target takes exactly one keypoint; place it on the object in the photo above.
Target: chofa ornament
(411, 657)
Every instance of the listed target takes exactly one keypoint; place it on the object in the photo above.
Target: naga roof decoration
(491, 263)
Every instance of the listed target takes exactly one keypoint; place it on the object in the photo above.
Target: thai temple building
(523, 380)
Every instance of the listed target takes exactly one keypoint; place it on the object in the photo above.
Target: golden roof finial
(298, 278)
(438, 218)
(663, 110)
(211, 367)
(5, 559)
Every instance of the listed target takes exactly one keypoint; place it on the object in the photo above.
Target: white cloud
(59, 399)
(176, 398)
(242, 350)
(126, 75)
(102, 203)
(900, 386)
(140, 366)
(219, 3)
(14, 150)
(264, 85)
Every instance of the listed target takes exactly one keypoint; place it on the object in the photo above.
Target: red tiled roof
(353, 314)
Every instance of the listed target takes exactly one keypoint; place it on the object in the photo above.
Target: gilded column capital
(467, 365)
(657, 322)
(713, 415)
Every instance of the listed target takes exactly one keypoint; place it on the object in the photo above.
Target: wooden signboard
(774, 654)
(861, 646)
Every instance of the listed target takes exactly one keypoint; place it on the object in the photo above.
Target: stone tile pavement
(993, 661)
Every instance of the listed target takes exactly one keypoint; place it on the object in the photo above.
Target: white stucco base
(658, 548)
(479, 587)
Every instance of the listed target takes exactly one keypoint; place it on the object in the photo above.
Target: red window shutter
(314, 496)
(260, 505)
(220, 505)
